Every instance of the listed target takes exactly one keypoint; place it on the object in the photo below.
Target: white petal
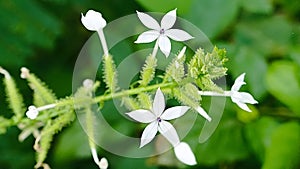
(93, 20)
(164, 45)
(243, 106)
(174, 112)
(168, 20)
(32, 112)
(185, 154)
(239, 81)
(103, 164)
(169, 132)
(143, 116)
(148, 21)
(181, 53)
(202, 112)
(158, 103)
(149, 133)
(148, 36)
(178, 35)
(244, 97)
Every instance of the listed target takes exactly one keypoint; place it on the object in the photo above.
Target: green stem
(120, 94)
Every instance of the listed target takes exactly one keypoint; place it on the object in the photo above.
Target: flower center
(162, 31)
(158, 119)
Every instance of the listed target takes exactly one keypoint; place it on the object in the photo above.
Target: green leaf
(254, 65)
(267, 35)
(213, 16)
(226, 144)
(22, 30)
(258, 6)
(283, 82)
(166, 5)
(285, 148)
(258, 135)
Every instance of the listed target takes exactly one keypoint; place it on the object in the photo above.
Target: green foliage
(283, 82)
(283, 151)
(213, 16)
(258, 6)
(160, 6)
(22, 31)
(5, 123)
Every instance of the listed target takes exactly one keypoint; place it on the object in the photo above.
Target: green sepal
(14, 98)
(110, 73)
(49, 130)
(42, 94)
(148, 71)
(130, 103)
(145, 101)
(182, 96)
(176, 69)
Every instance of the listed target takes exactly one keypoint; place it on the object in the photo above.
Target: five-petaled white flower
(161, 32)
(157, 118)
(241, 98)
(93, 20)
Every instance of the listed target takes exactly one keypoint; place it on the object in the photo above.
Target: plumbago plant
(185, 80)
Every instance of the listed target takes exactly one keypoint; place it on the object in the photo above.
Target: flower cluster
(157, 117)
(187, 86)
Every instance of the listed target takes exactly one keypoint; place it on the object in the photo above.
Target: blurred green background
(262, 38)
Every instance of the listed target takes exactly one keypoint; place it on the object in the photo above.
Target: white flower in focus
(157, 118)
(185, 154)
(161, 32)
(241, 98)
(93, 20)
(32, 112)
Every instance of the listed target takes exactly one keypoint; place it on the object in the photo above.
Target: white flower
(32, 112)
(161, 32)
(103, 164)
(241, 98)
(157, 118)
(93, 20)
(184, 154)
